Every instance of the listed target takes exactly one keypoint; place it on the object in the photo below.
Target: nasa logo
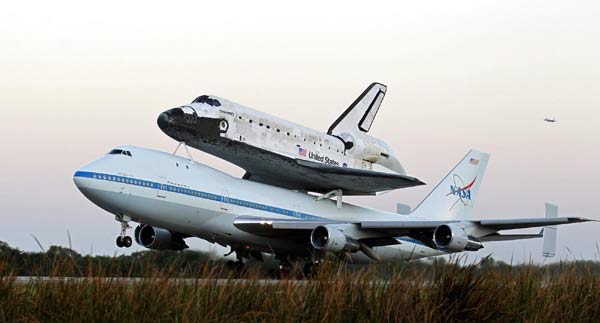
(460, 190)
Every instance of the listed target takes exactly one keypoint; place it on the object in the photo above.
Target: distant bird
(550, 119)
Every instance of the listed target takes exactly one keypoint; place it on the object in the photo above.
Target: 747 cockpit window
(120, 152)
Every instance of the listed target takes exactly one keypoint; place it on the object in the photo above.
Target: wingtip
(416, 181)
(581, 219)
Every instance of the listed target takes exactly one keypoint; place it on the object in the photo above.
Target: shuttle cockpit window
(207, 100)
(120, 152)
(188, 110)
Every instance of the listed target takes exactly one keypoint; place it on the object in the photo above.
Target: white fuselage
(180, 195)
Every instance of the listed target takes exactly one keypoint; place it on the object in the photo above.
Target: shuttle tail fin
(454, 196)
(361, 113)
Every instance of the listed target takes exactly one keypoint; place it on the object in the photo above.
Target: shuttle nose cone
(170, 118)
(164, 120)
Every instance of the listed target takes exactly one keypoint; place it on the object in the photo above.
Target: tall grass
(337, 293)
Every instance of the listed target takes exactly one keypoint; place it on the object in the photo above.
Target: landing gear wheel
(127, 241)
(236, 267)
(309, 269)
(274, 274)
(281, 273)
(120, 242)
(239, 266)
(231, 265)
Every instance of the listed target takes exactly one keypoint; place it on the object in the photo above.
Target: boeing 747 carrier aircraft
(345, 160)
(174, 198)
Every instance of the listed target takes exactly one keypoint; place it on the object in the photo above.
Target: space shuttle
(344, 160)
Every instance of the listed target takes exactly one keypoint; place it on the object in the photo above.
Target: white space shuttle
(278, 152)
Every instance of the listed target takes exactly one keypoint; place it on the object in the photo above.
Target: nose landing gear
(123, 240)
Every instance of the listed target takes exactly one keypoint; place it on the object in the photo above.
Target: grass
(443, 292)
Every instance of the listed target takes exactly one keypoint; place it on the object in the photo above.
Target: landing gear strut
(123, 240)
(237, 265)
(310, 268)
(285, 266)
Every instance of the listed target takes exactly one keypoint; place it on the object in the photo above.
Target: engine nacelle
(450, 237)
(158, 238)
(333, 240)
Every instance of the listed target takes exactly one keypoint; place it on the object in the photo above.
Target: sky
(77, 79)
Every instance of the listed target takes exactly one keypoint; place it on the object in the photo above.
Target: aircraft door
(225, 205)
(162, 187)
(124, 188)
(297, 211)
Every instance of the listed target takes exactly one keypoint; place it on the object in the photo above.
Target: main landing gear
(238, 265)
(296, 268)
(123, 240)
(310, 268)
(285, 268)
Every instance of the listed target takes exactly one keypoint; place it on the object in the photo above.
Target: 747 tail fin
(453, 197)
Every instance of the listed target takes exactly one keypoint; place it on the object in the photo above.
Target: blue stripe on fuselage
(195, 193)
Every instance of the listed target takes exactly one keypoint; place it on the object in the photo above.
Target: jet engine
(333, 240)
(158, 238)
(450, 237)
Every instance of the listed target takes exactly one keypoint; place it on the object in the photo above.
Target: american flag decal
(474, 161)
(302, 151)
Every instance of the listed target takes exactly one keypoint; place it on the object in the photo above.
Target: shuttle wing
(359, 179)
(299, 174)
